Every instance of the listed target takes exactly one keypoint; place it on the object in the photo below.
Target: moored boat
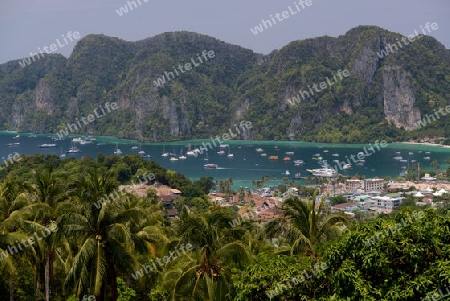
(210, 166)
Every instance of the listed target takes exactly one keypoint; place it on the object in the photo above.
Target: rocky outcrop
(399, 98)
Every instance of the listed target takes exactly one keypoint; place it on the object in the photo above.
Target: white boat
(287, 173)
(398, 158)
(210, 166)
(16, 137)
(190, 153)
(63, 155)
(221, 152)
(426, 158)
(347, 167)
(181, 157)
(164, 154)
(335, 155)
(297, 175)
(289, 153)
(117, 151)
(323, 172)
(325, 151)
(263, 155)
(298, 162)
(73, 150)
(47, 145)
(135, 147)
(173, 159)
(259, 150)
(141, 152)
(77, 140)
(230, 155)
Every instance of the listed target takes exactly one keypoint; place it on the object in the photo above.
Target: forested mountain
(383, 96)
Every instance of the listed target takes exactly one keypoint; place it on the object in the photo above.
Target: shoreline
(427, 144)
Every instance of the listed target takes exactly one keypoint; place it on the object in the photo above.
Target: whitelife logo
(388, 49)
(124, 9)
(73, 127)
(280, 17)
(27, 61)
(162, 80)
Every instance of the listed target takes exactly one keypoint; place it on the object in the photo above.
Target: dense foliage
(128, 249)
(235, 85)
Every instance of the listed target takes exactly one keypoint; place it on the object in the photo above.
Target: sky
(27, 25)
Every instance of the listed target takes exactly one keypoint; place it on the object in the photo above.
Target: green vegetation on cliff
(383, 98)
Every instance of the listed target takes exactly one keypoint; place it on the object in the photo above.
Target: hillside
(383, 96)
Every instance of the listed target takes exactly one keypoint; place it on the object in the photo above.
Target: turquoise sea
(247, 165)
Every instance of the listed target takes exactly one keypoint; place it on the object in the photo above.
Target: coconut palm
(305, 226)
(108, 236)
(217, 247)
(12, 204)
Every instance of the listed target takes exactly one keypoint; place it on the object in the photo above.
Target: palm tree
(108, 236)
(12, 202)
(304, 226)
(217, 247)
(48, 191)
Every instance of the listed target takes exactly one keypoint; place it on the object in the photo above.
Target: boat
(73, 150)
(364, 161)
(77, 140)
(289, 153)
(413, 161)
(181, 157)
(164, 154)
(427, 153)
(173, 158)
(32, 136)
(63, 155)
(221, 152)
(298, 162)
(263, 155)
(147, 156)
(398, 158)
(398, 153)
(297, 175)
(273, 158)
(403, 161)
(287, 173)
(101, 143)
(135, 147)
(426, 158)
(190, 153)
(16, 137)
(286, 159)
(323, 172)
(141, 152)
(335, 155)
(336, 161)
(83, 142)
(230, 155)
(325, 151)
(259, 150)
(360, 164)
(46, 145)
(410, 153)
(224, 145)
(347, 167)
(117, 151)
(13, 143)
(210, 166)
